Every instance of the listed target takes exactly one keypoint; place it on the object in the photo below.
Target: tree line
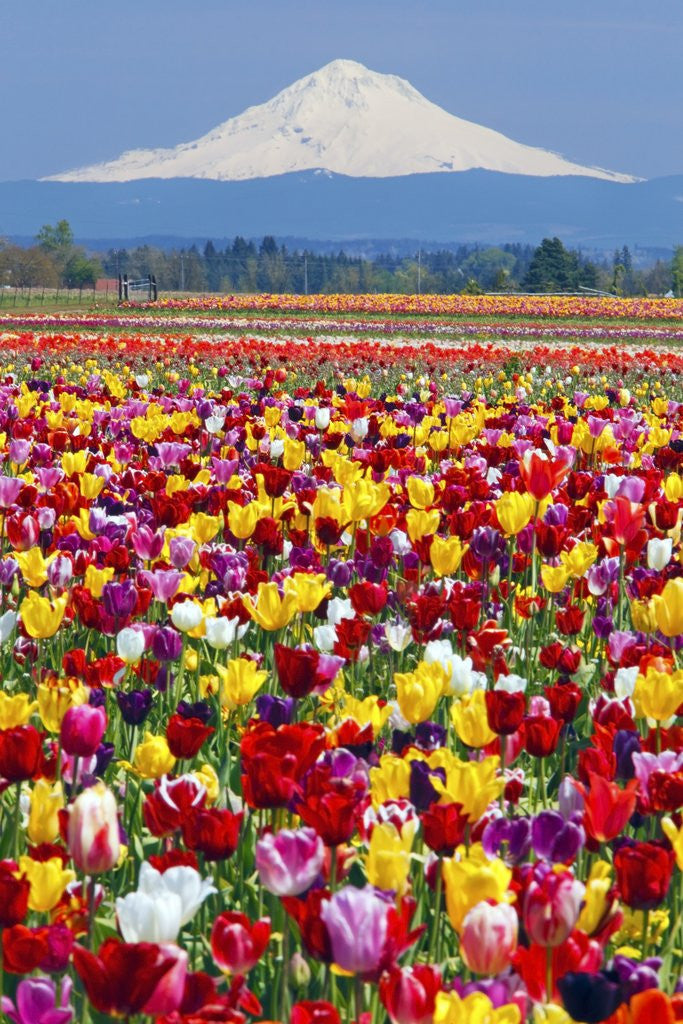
(246, 266)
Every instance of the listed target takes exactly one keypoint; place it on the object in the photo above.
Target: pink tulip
(289, 861)
(551, 907)
(489, 937)
(93, 830)
(168, 995)
(82, 730)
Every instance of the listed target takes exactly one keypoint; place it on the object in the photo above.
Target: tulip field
(342, 662)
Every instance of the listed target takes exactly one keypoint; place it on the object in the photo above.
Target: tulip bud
(659, 553)
(93, 830)
(489, 937)
(299, 971)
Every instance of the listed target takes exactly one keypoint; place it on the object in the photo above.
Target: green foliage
(554, 268)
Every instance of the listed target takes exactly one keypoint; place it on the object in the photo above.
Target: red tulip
(186, 736)
(408, 994)
(237, 944)
(541, 735)
(122, 977)
(540, 474)
(607, 808)
(309, 1012)
(504, 711)
(167, 808)
(213, 831)
(643, 873)
(443, 828)
(14, 893)
(21, 753)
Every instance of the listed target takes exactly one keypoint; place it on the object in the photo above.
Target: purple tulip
(514, 832)
(167, 643)
(555, 839)
(134, 706)
(357, 925)
(289, 861)
(276, 710)
(37, 1002)
(119, 599)
(19, 451)
(181, 550)
(223, 469)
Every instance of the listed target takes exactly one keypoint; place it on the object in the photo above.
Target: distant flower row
(553, 306)
(379, 329)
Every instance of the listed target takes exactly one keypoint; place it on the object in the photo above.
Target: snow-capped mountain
(344, 119)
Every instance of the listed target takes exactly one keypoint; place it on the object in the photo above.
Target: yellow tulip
(207, 776)
(473, 784)
(418, 692)
(42, 619)
(364, 499)
(675, 837)
(514, 511)
(554, 577)
(204, 528)
(152, 757)
(366, 711)
(240, 681)
(422, 524)
(242, 519)
(470, 721)
(643, 616)
(420, 492)
(46, 802)
(33, 567)
(15, 710)
(75, 462)
(55, 697)
(445, 554)
(388, 861)
(475, 1008)
(294, 454)
(579, 560)
(669, 608)
(48, 881)
(95, 579)
(550, 1013)
(271, 611)
(309, 589)
(658, 695)
(596, 903)
(471, 878)
(90, 485)
(390, 780)
(673, 487)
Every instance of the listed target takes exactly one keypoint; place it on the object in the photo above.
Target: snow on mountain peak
(345, 119)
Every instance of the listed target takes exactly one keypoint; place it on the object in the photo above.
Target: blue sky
(597, 80)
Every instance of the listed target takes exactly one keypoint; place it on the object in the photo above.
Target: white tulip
(277, 448)
(182, 881)
(659, 553)
(7, 623)
(322, 419)
(324, 638)
(359, 428)
(145, 918)
(130, 645)
(339, 608)
(186, 615)
(221, 632)
(398, 635)
(625, 682)
(511, 683)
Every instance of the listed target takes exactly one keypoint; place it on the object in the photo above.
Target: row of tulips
(516, 331)
(327, 703)
(525, 306)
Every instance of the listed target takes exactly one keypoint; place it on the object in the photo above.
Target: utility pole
(182, 271)
(305, 275)
(419, 271)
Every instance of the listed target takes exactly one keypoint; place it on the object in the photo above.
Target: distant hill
(472, 206)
